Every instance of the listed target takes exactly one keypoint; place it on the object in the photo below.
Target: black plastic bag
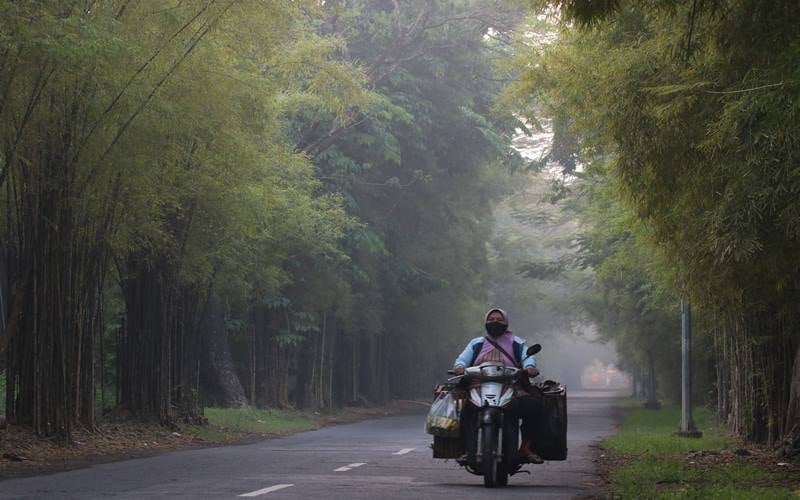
(550, 440)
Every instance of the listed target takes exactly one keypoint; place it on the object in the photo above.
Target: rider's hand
(458, 370)
(532, 372)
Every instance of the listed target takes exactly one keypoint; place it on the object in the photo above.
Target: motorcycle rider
(501, 345)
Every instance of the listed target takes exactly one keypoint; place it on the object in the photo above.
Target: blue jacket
(470, 354)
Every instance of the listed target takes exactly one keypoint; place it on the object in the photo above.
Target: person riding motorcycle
(501, 345)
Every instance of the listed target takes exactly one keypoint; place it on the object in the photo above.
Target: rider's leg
(528, 410)
(469, 431)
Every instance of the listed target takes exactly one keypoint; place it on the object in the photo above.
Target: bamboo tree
(700, 150)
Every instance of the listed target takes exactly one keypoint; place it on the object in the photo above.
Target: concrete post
(687, 427)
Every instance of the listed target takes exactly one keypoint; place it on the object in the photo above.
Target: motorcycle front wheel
(493, 475)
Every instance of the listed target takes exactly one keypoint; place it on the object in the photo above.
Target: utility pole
(687, 428)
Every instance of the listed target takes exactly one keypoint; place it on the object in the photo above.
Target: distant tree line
(220, 202)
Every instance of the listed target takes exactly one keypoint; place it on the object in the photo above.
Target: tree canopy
(230, 202)
(282, 203)
(681, 115)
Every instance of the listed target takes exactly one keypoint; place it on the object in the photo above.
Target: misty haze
(440, 249)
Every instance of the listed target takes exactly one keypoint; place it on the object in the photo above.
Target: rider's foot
(529, 457)
(525, 454)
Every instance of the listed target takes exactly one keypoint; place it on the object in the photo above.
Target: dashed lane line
(349, 467)
(264, 491)
(403, 451)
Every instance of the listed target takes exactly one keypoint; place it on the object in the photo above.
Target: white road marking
(403, 451)
(349, 467)
(264, 491)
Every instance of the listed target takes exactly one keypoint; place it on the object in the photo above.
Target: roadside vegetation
(645, 459)
(263, 204)
(116, 437)
(652, 431)
(232, 425)
(677, 135)
(279, 204)
(2, 393)
(287, 421)
(263, 421)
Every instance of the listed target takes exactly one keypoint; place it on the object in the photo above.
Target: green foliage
(269, 421)
(652, 431)
(201, 170)
(158, 136)
(417, 166)
(260, 421)
(584, 12)
(682, 118)
(662, 469)
(665, 478)
(628, 299)
(306, 162)
(689, 181)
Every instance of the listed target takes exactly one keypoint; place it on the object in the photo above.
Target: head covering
(506, 341)
(490, 311)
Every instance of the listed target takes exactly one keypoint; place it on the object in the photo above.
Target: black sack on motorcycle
(550, 438)
(447, 447)
(453, 446)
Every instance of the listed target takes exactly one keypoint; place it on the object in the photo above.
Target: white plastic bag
(443, 418)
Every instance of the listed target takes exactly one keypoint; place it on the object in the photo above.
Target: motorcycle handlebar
(519, 375)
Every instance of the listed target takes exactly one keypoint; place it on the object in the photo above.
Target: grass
(652, 431)
(663, 477)
(209, 434)
(261, 421)
(254, 421)
(654, 463)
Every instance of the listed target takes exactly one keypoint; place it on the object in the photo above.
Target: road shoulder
(646, 459)
(23, 454)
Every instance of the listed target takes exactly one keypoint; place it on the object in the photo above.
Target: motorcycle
(490, 388)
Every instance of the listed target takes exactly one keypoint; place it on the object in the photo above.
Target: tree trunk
(652, 398)
(791, 437)
(140, 351)
(158, 347)
(54, 268)
(230, 392)
(252, 356)
(634, 384)
(306, 364)
(272, 362)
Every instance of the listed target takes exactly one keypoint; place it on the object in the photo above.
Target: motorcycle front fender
(491, 415)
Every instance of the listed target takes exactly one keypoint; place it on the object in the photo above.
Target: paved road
(378, 459)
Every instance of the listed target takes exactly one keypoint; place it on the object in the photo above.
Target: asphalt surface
(377, 459)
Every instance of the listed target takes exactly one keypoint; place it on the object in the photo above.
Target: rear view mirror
(534, 349)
